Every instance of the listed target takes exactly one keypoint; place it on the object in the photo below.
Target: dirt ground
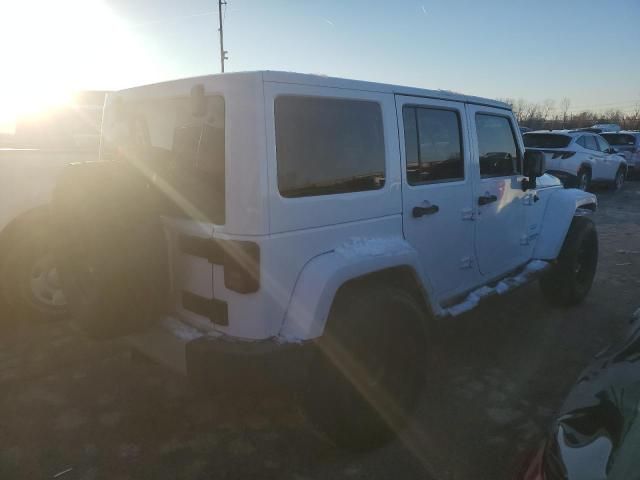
(73, 409)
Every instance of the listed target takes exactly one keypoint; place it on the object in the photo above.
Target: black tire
(369, 367)
(111, 250)
(569, 280)
(618, 181)
(30, 288)
(583, 181)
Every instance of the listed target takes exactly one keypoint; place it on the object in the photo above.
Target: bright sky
(584, 50)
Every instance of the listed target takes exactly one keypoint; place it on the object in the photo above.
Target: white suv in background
(579, 158)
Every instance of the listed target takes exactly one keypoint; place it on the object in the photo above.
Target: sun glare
(52, 48)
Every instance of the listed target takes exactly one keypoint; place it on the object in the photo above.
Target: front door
(438, 212)
(501, 241)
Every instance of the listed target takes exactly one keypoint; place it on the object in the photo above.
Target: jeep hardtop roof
(321, 81)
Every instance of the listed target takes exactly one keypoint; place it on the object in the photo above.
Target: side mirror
(612, 150)
(534, 167)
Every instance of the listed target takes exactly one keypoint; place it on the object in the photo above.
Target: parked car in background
(29, 283)
(597, 431)
(579, 158)
(628, 144)
(524, 129)
(607, 127)
(31, 159)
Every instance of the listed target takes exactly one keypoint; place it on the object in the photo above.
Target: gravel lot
(84, 410)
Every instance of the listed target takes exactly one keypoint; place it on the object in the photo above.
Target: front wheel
(369, 367)
(570, 278)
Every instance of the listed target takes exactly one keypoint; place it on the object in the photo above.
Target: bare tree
(565, 104)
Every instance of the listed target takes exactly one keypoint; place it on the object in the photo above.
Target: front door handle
(417, 212)
(486, 199)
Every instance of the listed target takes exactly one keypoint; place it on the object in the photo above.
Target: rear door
(501, 241)
(600, 167)
(438, 211)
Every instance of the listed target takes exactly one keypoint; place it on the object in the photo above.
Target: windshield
(620, 139)
(182, 144)
(546, 140)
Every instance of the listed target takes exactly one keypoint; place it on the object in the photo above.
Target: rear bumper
(218, 363)
(224, 363)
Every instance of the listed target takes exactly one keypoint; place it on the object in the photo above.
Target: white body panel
(310, 246)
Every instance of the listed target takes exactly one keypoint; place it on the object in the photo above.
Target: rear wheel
(583, 182)
(569, 280)
(369, 368)
(618, 182)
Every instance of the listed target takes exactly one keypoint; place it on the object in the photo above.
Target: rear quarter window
(328, 146)
(182, 145)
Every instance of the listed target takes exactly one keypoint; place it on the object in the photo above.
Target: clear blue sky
(588, 51)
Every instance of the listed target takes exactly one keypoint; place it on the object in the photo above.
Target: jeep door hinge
(468, 214)
(466, 262)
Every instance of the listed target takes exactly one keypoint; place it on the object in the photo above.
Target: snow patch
(473, 299)
(284, 338)
(371, 247)
(181, 330)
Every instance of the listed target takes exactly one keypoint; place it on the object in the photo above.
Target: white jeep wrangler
(310, 227)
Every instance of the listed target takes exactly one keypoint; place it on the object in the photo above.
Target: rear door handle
(486, 199)
(417, 212)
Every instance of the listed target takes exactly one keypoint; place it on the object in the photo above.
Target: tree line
(553, 115)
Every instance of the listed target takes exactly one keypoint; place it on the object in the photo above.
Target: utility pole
(223, 52)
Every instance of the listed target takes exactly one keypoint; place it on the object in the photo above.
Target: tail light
(563, 155)
(240, 259)
(242, 266)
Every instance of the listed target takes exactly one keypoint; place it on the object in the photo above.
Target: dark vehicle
(596, 434)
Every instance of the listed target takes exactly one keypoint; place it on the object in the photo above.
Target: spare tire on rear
(111, 248)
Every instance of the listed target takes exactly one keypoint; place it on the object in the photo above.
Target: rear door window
(433, 144)
(328, 146)
(497, 147)
(546, 140)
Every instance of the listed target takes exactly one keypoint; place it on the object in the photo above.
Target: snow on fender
(323, 275)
